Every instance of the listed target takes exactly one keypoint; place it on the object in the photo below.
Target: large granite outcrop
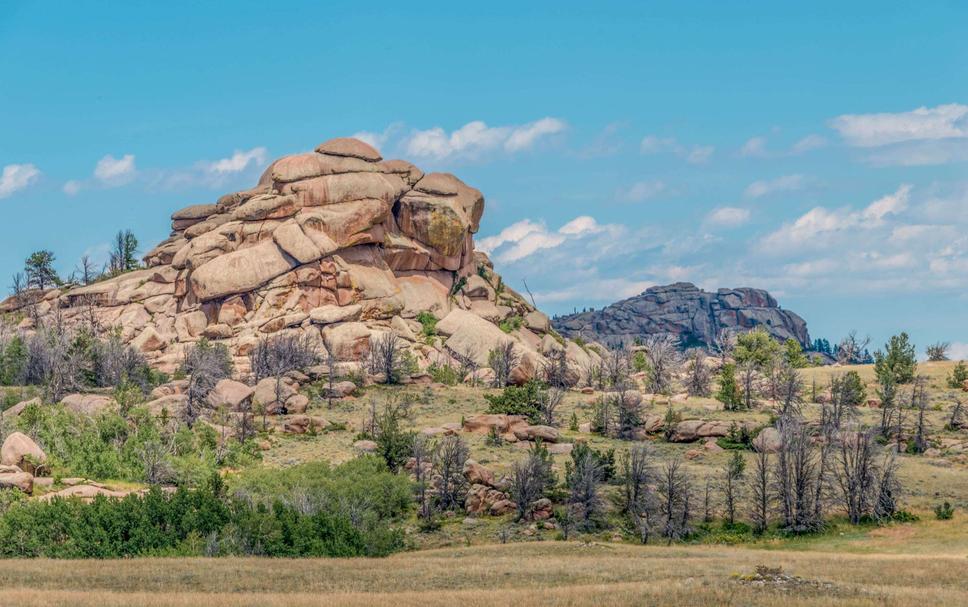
(336, 243)
(684, 310)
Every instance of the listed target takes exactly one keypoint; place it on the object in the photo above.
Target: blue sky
(818, 151)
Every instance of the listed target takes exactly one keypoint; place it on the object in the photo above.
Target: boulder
(349, 341)
(265, 394)
(347, 146)
(302, 424)
(88, 404)
(366, 446)
(20, 450)
(545, 433)
(488, 422)
(476, 474)
(17, 480)
(231, 394)
(768, 440)
(694, 429)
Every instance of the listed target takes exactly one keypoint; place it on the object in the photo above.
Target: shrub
(429, 323)
(944, 512)
(518, 400)
(444, 374)
(958, 376)
(511, 324)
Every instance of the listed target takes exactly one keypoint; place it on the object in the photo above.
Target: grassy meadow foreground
(922, 563)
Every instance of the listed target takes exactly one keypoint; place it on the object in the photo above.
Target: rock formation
(336, 243)
(682, 309)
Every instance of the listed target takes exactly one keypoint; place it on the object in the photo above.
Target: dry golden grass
(536, 573)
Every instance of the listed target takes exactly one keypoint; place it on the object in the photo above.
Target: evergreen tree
(898, 360)
(39, 268)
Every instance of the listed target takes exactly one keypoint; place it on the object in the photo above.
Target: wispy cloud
(814, 227)
(871, 130)
(785, 183)
(693, 154)
(727, 217)
(16, 177)
(476, 139)
(641, 191)
(923, 136)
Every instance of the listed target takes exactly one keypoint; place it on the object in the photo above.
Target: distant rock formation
(684, 310)
(336, 243)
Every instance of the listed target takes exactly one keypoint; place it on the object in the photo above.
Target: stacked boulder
(336, 243)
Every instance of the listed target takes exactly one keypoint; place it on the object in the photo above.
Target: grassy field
(923, 563)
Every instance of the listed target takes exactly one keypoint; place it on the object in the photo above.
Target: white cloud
(526, 237)
(694, 154)
(16, 177)
(958, 351)
(754, 147)
(786, 183)
(378, 140)
(581, 225)
(112, 171)
(872, 130)
(476, 138)
(236, 163)
(72, 187)
(641, 191)
(892, 204)
(808, 143)
(728, 217)
(525, 136)
(814, 226)
(699, 154)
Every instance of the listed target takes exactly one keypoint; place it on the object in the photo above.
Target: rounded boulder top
(352, 148)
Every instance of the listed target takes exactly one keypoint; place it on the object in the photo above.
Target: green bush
(958, 376)
(444, 374)
(944, 512)
(518, 400)
(207, 521)
(429, 323)
(511, 324)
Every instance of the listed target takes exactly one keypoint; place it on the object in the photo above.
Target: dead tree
(674, 491)
(530, 477)
(205, 364)
(761, 491)
(502, 361)
(699, 379)
(582, 478)
(798, 478)
(856, 474)
(920, 401)
(733, 473)
(956, 421)
(548, 404)
(449, 456)
(662, 355)
(421, 474)
(386, 357)
(790, 389)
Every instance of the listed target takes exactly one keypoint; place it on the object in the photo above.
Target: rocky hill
(335, 243)
(682, 309)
